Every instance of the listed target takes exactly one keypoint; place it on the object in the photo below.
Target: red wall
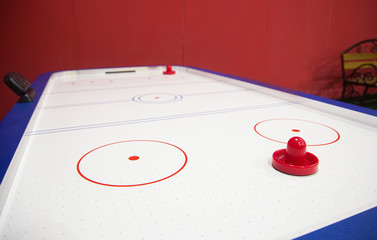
(52, 35)
(292, 43)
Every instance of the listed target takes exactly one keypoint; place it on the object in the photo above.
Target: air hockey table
(133, 153)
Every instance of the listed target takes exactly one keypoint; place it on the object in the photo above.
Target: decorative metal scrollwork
(350, 92)
(366, 78)
(366, 47)
(370, 78)
(362, 77)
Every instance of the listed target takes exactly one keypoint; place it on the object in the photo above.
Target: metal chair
(359, 66)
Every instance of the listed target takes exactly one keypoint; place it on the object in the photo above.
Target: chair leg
(344, 90)
(364, 95)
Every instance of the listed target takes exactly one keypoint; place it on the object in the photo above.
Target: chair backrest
(359, 63)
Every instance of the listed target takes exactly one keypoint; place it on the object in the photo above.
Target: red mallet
(169, 70)
(295, 160)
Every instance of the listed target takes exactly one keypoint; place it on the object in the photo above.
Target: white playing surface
(142, 155)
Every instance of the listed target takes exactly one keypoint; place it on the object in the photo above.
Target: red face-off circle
(97, 82)
(282, 129)
(99, 159)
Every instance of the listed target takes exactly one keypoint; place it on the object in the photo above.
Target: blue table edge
(359, 226)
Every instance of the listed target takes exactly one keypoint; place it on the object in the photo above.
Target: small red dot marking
(295, 130)
(156, 97)
(133, 158)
